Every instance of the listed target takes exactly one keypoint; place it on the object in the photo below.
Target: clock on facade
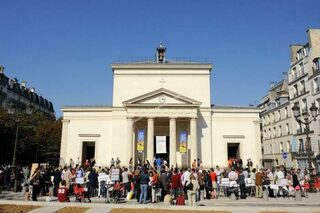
(162, 99)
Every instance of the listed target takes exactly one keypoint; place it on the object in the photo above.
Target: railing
(148, 60)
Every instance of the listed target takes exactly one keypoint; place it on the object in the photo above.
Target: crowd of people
(155, 183)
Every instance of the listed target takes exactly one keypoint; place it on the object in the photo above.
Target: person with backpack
(192, 187)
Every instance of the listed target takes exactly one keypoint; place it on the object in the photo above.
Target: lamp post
(307, 120)
(17, 119)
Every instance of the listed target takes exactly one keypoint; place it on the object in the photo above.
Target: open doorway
(161, 148)
(234, 150)
(88, 150)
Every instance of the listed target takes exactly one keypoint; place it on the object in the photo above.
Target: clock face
(162, 99)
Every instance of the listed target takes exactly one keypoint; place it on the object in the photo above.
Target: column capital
(193, 118)
(150, 118)
(130, 117)
(65, 121)
(173, 117)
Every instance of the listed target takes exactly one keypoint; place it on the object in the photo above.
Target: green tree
(38, 139)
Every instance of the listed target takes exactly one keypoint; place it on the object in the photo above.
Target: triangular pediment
(161, 97)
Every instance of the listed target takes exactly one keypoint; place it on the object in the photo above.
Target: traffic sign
(284, 155)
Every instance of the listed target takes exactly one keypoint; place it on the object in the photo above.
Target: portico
(170, 112)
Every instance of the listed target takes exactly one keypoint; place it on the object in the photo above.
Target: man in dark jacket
(93, 182)
(164, 180)
(56, 180)
(144, 181)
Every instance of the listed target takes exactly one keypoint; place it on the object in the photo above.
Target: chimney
(272, 83)
(161, 53)
(1, 69)
(285, 76)
(24, 84)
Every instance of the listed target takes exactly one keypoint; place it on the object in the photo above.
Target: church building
(161, 108)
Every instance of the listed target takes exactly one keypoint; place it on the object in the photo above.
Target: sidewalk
(250, 205)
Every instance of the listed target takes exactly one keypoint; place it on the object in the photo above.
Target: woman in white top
(191, 191)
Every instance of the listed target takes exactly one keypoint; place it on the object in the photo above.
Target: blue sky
(65, 48)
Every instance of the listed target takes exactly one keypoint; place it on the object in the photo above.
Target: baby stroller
(114, 193)
(81, 194)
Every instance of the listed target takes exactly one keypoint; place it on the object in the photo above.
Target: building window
(298, 127)
(295, 90)
(294, 72)
(288, 146)
(305, 51)
(271, 149)
(302, 88)
(281, 147)
(287, 129)
(301, 146)
(269, 119)
(274, 132)
(316, 85)
(318, 104)
(279, 115)
(286, 112)
(316, 64)
(269, 133)
(304, 107)
(280, 130)
(301, 69)
(264, 134)
(273, 117)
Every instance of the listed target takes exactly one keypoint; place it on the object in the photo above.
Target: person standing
(125, 181)
(242, 184)
(35, 182)
(144, 181)
(175, 183)
(259, 182)
(192, 187)
(56, 180)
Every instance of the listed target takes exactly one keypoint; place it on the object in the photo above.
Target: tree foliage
(39, 138)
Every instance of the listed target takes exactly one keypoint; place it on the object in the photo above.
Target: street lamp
(17, 119)
(307, 120)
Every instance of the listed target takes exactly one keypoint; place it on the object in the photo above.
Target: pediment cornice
(148, 100)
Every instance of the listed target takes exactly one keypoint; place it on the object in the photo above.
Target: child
(27, 194)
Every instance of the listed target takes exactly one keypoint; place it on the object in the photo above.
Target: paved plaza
(250, 205)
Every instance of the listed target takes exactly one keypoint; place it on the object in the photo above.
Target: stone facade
(161, 98)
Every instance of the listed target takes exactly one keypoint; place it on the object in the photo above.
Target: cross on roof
(162, 82)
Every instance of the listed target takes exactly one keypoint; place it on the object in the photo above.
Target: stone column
(64, 140)
(129, 138)
(150, 141)
(194, 145)
(173, 142)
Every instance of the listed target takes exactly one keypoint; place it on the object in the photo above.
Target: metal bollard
(298, 195)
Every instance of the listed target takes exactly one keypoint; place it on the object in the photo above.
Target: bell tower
(161, 54)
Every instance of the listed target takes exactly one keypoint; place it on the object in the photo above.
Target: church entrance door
(234, 150)
(161, 148)
(88, 150)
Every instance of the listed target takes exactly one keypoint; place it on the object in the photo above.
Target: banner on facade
(161, 145)
(183, 142)
(140, 143)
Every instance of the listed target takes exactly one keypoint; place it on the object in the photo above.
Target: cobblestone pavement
(250, 205)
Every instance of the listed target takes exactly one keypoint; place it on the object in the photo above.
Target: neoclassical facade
(161, 109)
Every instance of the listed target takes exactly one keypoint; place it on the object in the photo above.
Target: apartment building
(276, 126)
(304, 89)
(11, 91)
